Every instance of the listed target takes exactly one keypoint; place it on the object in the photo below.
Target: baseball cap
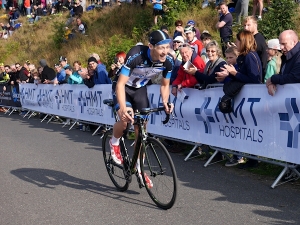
(62, 58)
(179, 38)
(189, 29)
(68, 68)
(56, 65)
(159, 37)
(274, 44)
(191, 22)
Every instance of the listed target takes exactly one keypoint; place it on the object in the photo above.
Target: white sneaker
(116, 153)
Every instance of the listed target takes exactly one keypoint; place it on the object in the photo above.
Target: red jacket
(185, 79)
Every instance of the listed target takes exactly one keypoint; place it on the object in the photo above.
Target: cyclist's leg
(118, 129)
(140, 101)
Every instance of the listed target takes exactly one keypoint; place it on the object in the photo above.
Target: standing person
(225, 26)
(241, 10)
(250, 24)
(157, 9)
(290, 67)
(141, 64)
(248, 70)
(74, 77)
(258, 5)
(274, 58)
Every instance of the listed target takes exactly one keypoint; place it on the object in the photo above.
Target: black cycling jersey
(140, 68)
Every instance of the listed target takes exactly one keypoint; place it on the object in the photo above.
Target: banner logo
(290, 122)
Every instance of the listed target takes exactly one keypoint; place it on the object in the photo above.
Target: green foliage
(279, 17)
(143, 22)
(59, 34)
(117, 43)
(172, 10)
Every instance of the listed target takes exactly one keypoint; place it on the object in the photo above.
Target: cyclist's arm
(121, 97)
(165, 93)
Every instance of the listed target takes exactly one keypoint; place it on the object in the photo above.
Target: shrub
(279, 17)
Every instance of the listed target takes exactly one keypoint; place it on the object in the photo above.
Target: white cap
(179, 38)
(274, 44)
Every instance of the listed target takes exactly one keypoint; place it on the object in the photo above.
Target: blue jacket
(61, 76)
(290, 67)
(249, 69)
(101, 75)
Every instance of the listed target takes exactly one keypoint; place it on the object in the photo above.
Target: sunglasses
(178, 42)
(184, 45)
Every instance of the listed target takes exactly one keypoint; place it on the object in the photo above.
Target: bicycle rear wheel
(156, 162)
(115, 171)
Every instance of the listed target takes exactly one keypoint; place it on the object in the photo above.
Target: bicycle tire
(115, 171)
(158, 165)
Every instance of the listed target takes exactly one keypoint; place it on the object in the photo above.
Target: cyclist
(141, 64)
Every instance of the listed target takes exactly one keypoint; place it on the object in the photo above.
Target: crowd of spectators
(198, 59)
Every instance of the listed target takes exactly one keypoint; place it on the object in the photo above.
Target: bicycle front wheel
(157, 164)
(115, 171)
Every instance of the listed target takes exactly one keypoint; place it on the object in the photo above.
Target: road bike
(154, 158)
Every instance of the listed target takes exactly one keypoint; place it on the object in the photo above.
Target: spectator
(27, 6)
(63, 62)
(225, 26)
(179, 30)
(97, 57)
(60, 75)
(4, 76)
(48, 73)
(77, 9)
(35, 77)
(249, 69)
(241, 10)
(100, 75)
(214, 65)
(191, 38)
(24, 73)
(250, 24)
(157, 9)
(274, 58)
(205, 39)
(13, 16)
(193, 24)
(73, 75)
(183, 79)
(249, 65)
(258, 5)
(290, 67)
(176, 57)
(37, 14)
(81, 27)
(117, 65)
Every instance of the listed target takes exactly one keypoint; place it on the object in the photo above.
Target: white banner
(260, 124)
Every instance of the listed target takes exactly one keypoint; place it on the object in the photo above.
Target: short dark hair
(178, 23)
(204, 36)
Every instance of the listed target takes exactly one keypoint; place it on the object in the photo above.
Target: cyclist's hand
(168, 107)
(125, 117)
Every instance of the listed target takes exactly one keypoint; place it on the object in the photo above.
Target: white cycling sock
(115, 141)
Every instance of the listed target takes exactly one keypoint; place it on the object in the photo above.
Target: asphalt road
(50, 175)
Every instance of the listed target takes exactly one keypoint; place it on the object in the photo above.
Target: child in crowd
(205, 37)
(231, 55)
(274, 58)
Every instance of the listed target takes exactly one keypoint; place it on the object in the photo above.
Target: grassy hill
(110, 30)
